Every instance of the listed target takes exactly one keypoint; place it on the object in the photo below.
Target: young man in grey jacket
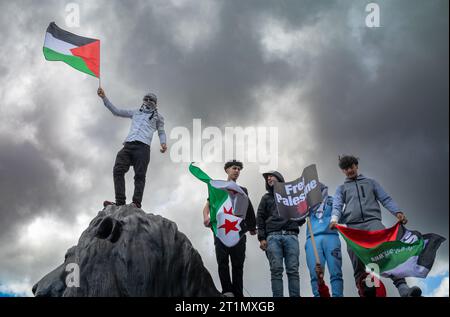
(136, 150)
(361, 195)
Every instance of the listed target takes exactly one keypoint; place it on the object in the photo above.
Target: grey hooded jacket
(360, 197)
(144, 123)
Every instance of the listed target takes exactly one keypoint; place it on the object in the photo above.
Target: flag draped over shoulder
(81, 53)
(227, 207)
(397, 251)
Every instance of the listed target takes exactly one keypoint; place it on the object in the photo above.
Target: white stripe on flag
(409, 268)
(57, 45)
(231, 238)
(226, 185)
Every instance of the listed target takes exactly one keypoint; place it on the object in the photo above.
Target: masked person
(136, 149)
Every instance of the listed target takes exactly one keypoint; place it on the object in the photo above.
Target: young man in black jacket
(278, 237)
(233, 286)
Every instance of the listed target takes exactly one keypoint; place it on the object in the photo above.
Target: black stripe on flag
(68, 37)
(433, 242)
(428, 255)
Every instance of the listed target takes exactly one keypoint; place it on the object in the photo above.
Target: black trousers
(237, 256)
(136, 154)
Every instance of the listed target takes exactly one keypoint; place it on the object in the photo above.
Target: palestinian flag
(81, 53)
(397, 251)
(227, 207)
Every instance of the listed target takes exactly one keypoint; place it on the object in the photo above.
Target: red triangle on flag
(90, 53)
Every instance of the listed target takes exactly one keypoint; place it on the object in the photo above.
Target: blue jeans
(285, 247)
(329, 250)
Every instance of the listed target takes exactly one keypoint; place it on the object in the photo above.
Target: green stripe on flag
(216, 196)
(74, 61)
(197, 172)
(387, 255)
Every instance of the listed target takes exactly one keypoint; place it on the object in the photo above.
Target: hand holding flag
(101, 92)
(401, 218)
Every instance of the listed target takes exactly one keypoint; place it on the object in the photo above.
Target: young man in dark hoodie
(278, 237)
(233, 287)
(361, 196)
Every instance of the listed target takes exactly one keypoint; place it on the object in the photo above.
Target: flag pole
(322, 288)
(316, 254)
(99, 66)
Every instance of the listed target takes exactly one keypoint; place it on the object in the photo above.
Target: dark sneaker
(369, 291)
(412, 292)
(406, 291)
(136, 204)
(415, 292)
(107, 203)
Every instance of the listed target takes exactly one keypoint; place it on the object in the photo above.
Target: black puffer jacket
(268, 219)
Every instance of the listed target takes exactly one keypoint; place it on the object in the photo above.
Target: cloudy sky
(312, 69)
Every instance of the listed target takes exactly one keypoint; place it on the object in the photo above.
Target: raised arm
(115, 111)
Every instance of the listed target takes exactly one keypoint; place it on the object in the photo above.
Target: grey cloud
(395, 120)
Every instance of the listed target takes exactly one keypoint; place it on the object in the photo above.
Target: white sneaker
(228, 294)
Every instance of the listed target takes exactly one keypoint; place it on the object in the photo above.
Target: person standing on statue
(136, 149)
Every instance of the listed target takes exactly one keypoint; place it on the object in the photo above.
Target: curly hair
(347, 161)
(233, 163)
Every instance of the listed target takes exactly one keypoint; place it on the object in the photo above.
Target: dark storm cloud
(28, 184)
(381, 94)
(31, 183)
(214, 80)
(23, 173)
(397, 124)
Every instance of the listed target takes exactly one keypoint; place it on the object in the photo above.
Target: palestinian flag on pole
(398, 252)
(227, 207)
(81, 53)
